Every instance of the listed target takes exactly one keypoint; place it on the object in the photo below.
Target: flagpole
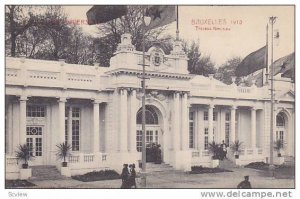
(272, 20)
(143, 173)
(267, 55)
(177, 26)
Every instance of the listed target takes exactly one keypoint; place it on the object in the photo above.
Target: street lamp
(272, 21)
(146, 21)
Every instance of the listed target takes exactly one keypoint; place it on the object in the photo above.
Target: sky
(223, 31)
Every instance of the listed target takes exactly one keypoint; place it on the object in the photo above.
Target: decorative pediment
(290, 95)
(150, 96)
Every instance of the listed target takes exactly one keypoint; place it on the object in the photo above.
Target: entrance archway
(281, 128)
(153, 127)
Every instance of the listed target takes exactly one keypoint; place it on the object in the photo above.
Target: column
(61, 120)
(176, 122)
(210, 123)
(69, 141)
(9, 128)
(96, 130)
(185, 122)
(200, 129)
(22, 119)
(253, 127)
(123, 121)
(133, 111)
(232, 124)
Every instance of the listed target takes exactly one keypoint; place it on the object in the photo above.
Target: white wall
(102, 126)
(259, 128)
(244, 135)
(86, 130)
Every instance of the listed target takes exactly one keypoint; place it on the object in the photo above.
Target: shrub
(24, 153)
(98, 175)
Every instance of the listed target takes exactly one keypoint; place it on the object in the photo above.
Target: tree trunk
(13, 45)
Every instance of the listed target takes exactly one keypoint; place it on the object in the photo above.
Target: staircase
(46, 172)
(289, 160)
(227, 164)
(154, 168)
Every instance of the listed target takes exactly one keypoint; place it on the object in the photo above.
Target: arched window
(151, 116)
(280, 120)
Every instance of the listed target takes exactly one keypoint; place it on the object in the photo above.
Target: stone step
(46, 172)
(151, 167)
(227, 164)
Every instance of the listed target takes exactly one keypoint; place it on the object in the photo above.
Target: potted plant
(63, 151)
(278, 145)
(24, 153)
(214, 149)
(236, 148)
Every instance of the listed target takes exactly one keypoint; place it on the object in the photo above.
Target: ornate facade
(97, 111)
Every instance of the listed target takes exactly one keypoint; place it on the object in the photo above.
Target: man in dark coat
(245, 184)
(132, 176)
(224, 148)
(125, 176)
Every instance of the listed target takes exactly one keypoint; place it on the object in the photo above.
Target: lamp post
(146, 22)
(272, 20)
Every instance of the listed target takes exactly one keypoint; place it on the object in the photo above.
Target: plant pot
(65, 171)
(236, 156)
(279, 155)
(64, 164)
(25, 166)
(215, 163)
(25, 174)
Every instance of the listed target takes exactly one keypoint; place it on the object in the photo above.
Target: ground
(171, 179)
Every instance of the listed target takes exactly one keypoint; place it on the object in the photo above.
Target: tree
(47, 35)
(17, 20)
(131, 23)
(54, 22)
(198, 64)
(227, 70)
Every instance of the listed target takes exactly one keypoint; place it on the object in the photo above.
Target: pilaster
(232, 124)
(22, 119)
(61, 120)
(253, 127)
(210, 123)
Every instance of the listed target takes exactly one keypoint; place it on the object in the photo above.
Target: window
(34, 140)
(139, 140)
(151, 137)
(35, 111)
(75, 139)
(29, 143)
(280, 136)
(33, 130)
(38, 146)
(205, 138)
(205, 116)
(227, 117)
(280, 120)
(191, 130)
(151, 116)
(66, 130)
(215, 114)
(227, 132)
(75, 112)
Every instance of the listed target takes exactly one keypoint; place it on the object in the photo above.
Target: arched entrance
(153, 127)
(281, 129)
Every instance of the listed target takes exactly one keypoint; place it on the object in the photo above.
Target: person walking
(132, 176)
(125, 176)
(245, 184)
